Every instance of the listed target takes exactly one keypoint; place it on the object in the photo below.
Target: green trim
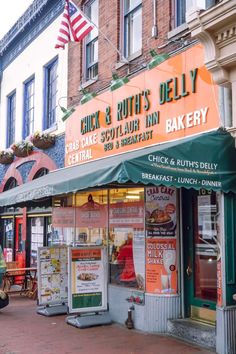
(230, 248)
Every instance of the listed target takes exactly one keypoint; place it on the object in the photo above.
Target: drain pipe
(129, 322)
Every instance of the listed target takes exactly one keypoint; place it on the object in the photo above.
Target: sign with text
(52, 275)
(63, 217)
(160, 211)
(126, 214)
(87, 279)
(161, 265)
(91, 214)
(171, 101)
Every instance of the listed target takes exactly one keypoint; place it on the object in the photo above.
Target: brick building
(150, 165)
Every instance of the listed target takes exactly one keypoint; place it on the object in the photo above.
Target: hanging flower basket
(22, 149)
(42, 140)
(6, 157)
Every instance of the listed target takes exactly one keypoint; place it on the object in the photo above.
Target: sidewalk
(25, 332)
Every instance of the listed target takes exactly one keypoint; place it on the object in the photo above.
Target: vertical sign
(87, 279)
(161, 253)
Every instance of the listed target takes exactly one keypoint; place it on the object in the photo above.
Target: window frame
(124, 36)
(11, 119)
(180, 12)
(90, 42)
(26, 110)
(50, 94)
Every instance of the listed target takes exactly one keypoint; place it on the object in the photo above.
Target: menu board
(52, 275)
(87, 279)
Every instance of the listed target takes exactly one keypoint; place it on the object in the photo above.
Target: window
(132, 27)
(11, 119)
(28, 124)
(41, 172)
(180, 11)
(50, 95)
(11, 183)
(91, 42)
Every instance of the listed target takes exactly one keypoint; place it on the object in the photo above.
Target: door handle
(189, 271)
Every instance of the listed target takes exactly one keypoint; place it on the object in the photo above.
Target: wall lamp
(156, 59)
(87, 96)
(67, 112)
(117, 82)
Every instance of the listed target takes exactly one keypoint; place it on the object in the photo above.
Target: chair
(10, 278)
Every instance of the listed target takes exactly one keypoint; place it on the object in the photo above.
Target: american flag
(74, 25)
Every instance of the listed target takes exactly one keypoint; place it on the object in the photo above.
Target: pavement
(23, 331)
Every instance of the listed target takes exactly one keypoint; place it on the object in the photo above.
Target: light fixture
(67, 112)
(131, 196)
(87, 96)
(118, 82)
(156, 59)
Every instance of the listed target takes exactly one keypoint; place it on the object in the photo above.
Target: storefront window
(91, 218)
(8, 240)
(37, 238)
(126, 237)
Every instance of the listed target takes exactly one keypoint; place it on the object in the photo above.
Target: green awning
(204, 161)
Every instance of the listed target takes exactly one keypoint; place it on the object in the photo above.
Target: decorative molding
(28, 27)
(216, 30)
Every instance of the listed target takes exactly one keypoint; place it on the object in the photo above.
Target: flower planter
(6, 158)
(22, 153)
(22, 149)
(41, 143)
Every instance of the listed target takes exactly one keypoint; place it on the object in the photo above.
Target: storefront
(150, 176)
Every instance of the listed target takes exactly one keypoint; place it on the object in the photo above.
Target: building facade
(32, 135)
(149, 157)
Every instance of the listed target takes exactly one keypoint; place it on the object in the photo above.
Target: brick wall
(109, 24)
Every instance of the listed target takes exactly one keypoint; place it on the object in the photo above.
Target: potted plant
(6, 156)
(42, 140)
(22, 148)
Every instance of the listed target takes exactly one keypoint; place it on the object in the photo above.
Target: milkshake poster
(161, 266)
(160, 211)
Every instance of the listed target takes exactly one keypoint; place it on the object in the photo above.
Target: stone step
(193, 331)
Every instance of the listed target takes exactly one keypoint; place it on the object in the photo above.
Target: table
(26, 278)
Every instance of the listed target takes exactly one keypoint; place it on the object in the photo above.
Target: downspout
(154, 26)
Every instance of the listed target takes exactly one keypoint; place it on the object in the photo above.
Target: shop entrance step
(193, 331)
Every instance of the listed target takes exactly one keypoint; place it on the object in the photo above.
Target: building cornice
(216, 29)
(36, 18)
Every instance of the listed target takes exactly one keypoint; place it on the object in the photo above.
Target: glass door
(200, 234)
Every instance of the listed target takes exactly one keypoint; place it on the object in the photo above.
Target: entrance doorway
(200, 225)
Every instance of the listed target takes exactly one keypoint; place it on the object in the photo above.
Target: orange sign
(173, 100)
(161, 273)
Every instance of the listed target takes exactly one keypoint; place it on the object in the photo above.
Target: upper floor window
(28, 124)
(132, 26)
(50, 94)
(180, 12)
(11, 119)
(91, 42)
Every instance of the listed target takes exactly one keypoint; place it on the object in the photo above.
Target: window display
(126, 237)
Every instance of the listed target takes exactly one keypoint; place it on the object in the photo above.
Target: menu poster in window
(161, 266)
(87, 279)
(160, 211)
(91, 214)
(52, 275)
(63, 217)
(126, 214)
